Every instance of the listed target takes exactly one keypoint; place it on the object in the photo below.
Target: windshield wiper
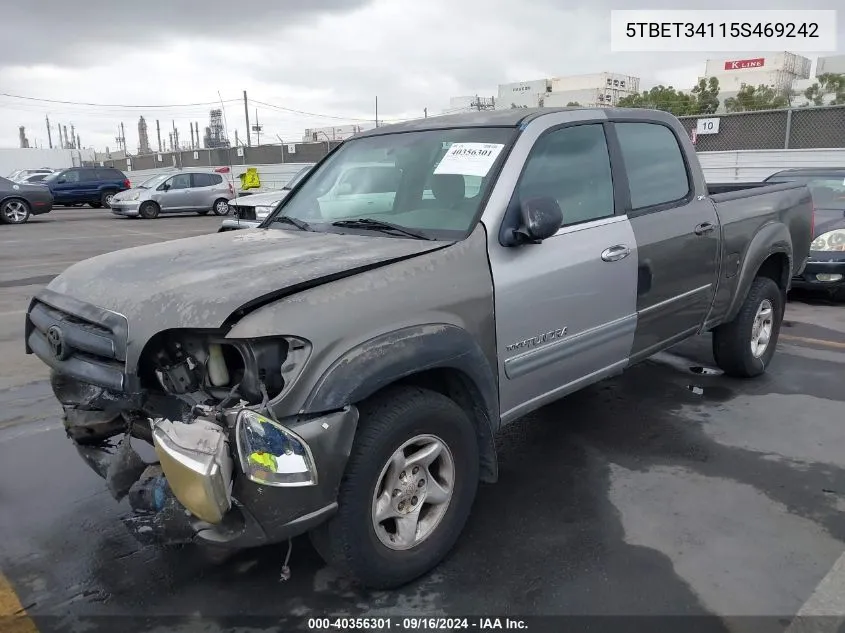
(370, 224)
(286, 219)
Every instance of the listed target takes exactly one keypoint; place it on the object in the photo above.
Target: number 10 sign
(707, 126)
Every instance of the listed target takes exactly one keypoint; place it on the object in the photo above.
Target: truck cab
(343, 369)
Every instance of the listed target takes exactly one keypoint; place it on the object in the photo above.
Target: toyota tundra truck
(343, 369)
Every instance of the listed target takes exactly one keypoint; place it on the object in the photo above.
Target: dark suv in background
(93, 185)
(825, 268)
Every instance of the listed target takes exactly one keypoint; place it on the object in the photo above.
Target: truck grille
(78, 340)
(244, 212)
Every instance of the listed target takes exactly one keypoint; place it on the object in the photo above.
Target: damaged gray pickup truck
(343, 369)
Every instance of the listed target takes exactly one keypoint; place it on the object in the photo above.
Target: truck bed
(714, 188)
(779, 212)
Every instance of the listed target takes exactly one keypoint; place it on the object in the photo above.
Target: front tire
(149, 210)
(220, 207)
(409, 485)
(14, 211)
(745, 346)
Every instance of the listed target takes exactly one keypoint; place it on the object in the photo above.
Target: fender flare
(770, 240)
(370, 366)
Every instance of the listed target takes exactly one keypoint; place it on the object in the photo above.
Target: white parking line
(824, 610)
(42, 264)
(66, 239)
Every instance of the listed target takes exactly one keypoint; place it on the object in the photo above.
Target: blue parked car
(95, 186)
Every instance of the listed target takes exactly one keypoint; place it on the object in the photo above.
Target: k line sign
(739, 64)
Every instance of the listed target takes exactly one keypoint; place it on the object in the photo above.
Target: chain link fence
(234, 156)
(793, 128)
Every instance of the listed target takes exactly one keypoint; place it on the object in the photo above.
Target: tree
(707, 95)
(828, 85)
(573, 104)
(662, 98)
(751, 98)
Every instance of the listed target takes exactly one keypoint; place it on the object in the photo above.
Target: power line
(114, 105)
(323, 116)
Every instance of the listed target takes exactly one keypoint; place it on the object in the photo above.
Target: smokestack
(158, 134)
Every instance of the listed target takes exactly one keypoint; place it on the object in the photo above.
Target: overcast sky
(327, 57)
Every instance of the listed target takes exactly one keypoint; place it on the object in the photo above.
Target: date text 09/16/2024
(794, 30)
(416, 624)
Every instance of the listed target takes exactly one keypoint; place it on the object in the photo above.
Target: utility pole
(192, 134)
(61, 143)
(257, 129)
(170, 136)
(246, 115)
(376, 110)
(72, 136)
(197, 126)
(123, 138)
(425, 113)
(67, 142)
(49, 134)
(78, 142)
(175, 137)
(158, 134)
(237, 142)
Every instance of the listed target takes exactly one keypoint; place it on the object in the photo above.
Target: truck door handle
(704, 228)
(615, 253)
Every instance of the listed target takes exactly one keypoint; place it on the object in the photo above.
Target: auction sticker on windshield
(469, 159)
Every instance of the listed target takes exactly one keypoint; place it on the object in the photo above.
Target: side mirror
(540, 219)
(61, 180)
(163, 186)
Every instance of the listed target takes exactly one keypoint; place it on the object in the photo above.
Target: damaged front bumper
(232, 478)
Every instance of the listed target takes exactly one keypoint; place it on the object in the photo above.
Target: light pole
(328, 141)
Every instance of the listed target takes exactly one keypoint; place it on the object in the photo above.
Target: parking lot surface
(668, 491)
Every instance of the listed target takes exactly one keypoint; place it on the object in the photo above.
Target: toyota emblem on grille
(56, 340)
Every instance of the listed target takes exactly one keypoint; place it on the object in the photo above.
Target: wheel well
(460, 388)
(776, 268)
(10, 198)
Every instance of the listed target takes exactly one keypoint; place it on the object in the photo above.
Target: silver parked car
(250, 210)
(184, 191)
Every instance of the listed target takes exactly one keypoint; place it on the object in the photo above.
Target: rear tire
(220, 207)
(149, 210)
(431, 502)
(14, 211)
(105, 199)
(203, 212)
(745, 346)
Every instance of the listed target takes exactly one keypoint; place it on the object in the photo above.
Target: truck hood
(829, 219)
(199, 282)
(259, 199)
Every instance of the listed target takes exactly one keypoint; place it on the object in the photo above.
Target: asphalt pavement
(670, 491)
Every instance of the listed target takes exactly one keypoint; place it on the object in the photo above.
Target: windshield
(299, 176)
(828, 192)
(429, 182)
(152, 182)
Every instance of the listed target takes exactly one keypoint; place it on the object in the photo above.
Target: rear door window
(657, 173)
(204, 180)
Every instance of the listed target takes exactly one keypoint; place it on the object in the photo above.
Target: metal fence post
(788, 128)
